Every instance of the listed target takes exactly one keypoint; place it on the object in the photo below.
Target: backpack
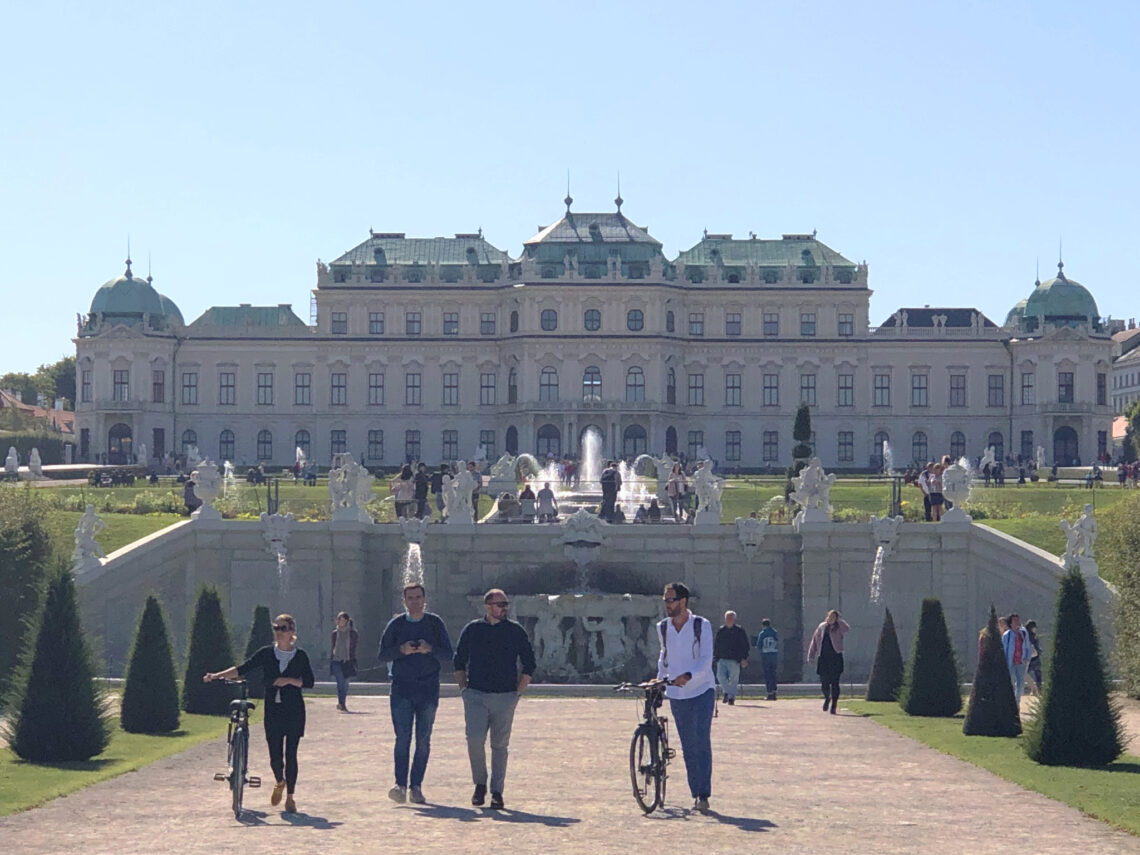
(698, 623)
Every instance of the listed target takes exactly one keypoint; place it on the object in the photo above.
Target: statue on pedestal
(813, 493)
(708, 489)
(1080, 539)
(207, 487)
(35, 466)
(457, 496)
(12, 462)
(87, 549)
(350, 489)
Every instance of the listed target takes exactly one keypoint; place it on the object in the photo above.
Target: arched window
(635, 320)
(548, 384)
(513, 387)
(189, 438)
(634, 385)
(515, 321)
(670, 322)
(957, 445)
(671, 387)
(592, 320)
(302, 441)
(226, 445)
(549, 441)
(996, 440)
(882, 438)
(119, 444)
(549, 320)
(592, 384)
(512, 440)
(919, 448)
(633, 441)
(670, 440)
(264, 445)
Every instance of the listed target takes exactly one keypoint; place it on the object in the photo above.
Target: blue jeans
(1017, 677)
(770, 661)
(337, 669)
(727, 676)
(408, 713)
(693, 717)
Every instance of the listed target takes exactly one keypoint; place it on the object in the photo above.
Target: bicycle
(649, 753)
(237, 747)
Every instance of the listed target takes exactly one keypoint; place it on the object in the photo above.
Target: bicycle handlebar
(648, 685)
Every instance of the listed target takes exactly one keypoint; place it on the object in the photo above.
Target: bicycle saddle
(238, 704)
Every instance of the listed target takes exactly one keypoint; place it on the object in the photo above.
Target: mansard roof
(248, 321)
(924, 317)
(575, 228)
(384, 248)
(793, 250)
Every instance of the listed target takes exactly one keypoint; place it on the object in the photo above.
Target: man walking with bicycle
(686, 660)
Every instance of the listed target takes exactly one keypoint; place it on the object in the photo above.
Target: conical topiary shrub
(993, 709)
(931, 685)
(210, 650)
(150, 692)
(56, 709)
(1075, 722)
(260, 635)
(887, 669)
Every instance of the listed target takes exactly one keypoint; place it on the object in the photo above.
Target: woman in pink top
(827, 646)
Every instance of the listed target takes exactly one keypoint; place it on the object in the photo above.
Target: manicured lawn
(24, 785)
(121, 528)
(1111, 794)
(1040, 530)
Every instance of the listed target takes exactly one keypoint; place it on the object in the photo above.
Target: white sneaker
(398, 794)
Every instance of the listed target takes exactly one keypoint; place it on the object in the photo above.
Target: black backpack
(698, 623)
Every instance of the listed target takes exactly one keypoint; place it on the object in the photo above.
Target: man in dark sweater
(415, 642)
(730, 652)
(422, 484)
(487, 661)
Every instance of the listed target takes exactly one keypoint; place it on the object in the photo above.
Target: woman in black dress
(827, 646)
(285, 671)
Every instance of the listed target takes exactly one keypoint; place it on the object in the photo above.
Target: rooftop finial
(1037, 280)
(1060, 258)
(149, 278)
(618, 200)
(569, 200)
(128, 273)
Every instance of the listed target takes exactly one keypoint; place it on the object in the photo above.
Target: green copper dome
(1061, 299)
(128, 297)
(1015, 315)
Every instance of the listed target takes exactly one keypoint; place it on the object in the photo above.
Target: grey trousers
(494, 712)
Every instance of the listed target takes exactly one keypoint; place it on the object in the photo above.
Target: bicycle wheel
(645, 769)
(238, 756)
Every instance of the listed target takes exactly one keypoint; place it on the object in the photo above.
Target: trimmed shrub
(993, 709)
(150, 692)
(1075, 723)
(260, 635)
(210, 650)
(931, 686)
(56, 709)
(801, 433)
(25, 547)
(887, 669)
(1116, 551)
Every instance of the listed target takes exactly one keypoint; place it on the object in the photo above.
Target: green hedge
(150, 691)
(52, 449)
(931, 686)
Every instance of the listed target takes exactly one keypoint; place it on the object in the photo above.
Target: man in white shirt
(923, 483)
(686, 659)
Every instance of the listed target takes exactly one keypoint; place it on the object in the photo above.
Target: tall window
(592, 384)
(487, 441)
(671, 387)
(958, 390)
(189, 387)
(634, 385)
(1028, 387)
(303, 441)
(158, 386)
(957, 445)
(592, 320)
(732, 446)
(696, 443)
(548, 384)
(771, 390)
(1101, 389)
(375, 445)
(882, 390)
(633, 441)
(771, 324)
(412, 323)
(451, 445)
(411, 445)
(1027, 445)
(995, 390)
(807, 389)
(338, 392)
(1065, 387)
(670, 322)
(807, 324)
(635, 320)
(998, 442)
(881, 438)
(1102, 444)
(376, 390)
(548, 320)
(376, 323)
(846, 325)
(732, 323)
(487, 389)
(265, 388)
(696, 390)
(487, 323)
(85, 386)
(732, 390)
(340, 323)
(303, 389)
(451, 323)
(413, 390)
(770, 446)
(264, 445)
(697, 323)
(845, 395)
(514, 324)
(338, 442)
(919, 390)
(512, 388)
(226, 445)
(451, 390)
(121, 385)
(846, 446)
(189, 438)
(919, 449)
(227, 388)
(549, 441)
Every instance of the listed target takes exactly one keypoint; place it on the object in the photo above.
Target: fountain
(228, 481)
(885, 530)
(888, 458)
(275, 530)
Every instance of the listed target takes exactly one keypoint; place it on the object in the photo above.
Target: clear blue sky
(950, 145)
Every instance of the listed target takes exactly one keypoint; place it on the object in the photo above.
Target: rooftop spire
(618, 200)
(569, 200)
(1060, 258)
(128, 273)
(1037, 279)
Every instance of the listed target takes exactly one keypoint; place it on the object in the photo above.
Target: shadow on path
(744, 823)
(506, 815)
(306, 821)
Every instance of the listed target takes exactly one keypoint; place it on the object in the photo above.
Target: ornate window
(634, 385)
(592, 384)
(264, 445)
(548, 384)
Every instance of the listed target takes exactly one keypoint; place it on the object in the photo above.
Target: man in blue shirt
(768, 643)
(415, 642)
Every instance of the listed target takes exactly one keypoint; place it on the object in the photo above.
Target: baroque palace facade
(428, 348)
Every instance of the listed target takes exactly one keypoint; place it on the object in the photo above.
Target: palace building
(430, 348)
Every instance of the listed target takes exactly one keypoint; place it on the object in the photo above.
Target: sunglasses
(282, 628)
(503, 605)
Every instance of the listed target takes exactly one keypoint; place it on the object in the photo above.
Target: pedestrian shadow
(251, 818)
(463, 814)
(304, 820)
(744, 823)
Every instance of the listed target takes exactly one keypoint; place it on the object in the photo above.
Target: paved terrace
(787, 778)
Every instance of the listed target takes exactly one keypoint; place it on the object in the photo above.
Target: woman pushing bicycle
(285, 670)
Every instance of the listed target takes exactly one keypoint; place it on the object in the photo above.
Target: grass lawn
(1111, 794)
(24, 785)
(121, 528)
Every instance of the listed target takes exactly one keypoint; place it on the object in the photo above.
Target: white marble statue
(350, 488)
(275, 530)
(35, 465)
(503, 469)
(885, 531)
(888, 458)
(813, 492)
(12, 462)
(1040, 457)
(413, 528)
(87, 549)
(207, 487)
(551, 641)
(988, 457)
(457, 496)
(708, 489)
(956, 487)
(193, 458)
(750, 532)
(299, 455)
(1080, 539)
(663, 465)
(143, 454)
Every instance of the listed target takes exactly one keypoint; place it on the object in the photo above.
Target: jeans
(410, 712)
(439, 503)
(1035, 672)
(693, 717)
(1017, 677)
(770, 661)
(337, 669)
(485, 712)
(727, 676)
(282, 753)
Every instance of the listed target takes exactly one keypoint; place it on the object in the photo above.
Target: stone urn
(207, 487)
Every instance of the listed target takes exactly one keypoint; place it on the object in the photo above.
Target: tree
(20, 383)
(1117, 548)
(260, 635)
(150, 691)
(801, 433)
(210, 650)
(56, 709)
(993, 708)
(1075, 723)
(25, 547)
(887, 669)
(931, 686)
(57, 380)
(1132, 432)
